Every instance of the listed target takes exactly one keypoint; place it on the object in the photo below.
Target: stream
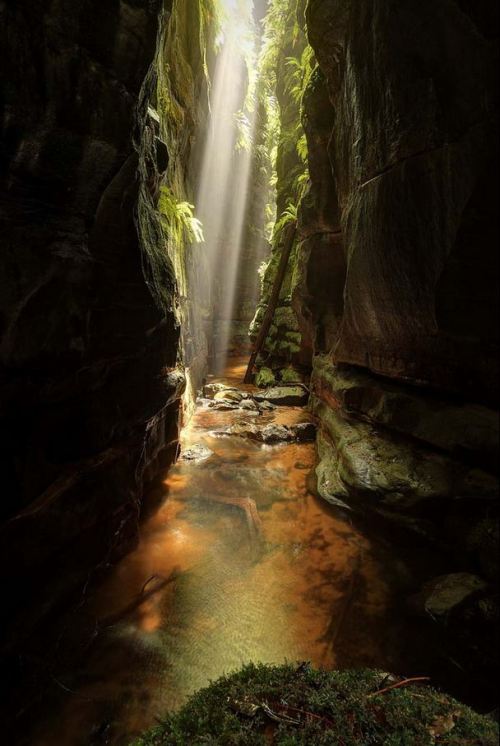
(240, 562)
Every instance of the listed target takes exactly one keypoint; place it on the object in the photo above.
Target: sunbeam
(224, 174)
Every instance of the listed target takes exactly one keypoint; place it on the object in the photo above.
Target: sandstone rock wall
(413, 151)
(89, 392)
(398, 257)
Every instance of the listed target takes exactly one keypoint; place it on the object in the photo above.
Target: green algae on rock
(320, 707)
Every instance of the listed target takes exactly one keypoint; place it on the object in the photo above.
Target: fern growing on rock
(178, 219)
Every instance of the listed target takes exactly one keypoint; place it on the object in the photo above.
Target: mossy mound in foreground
(252, 707)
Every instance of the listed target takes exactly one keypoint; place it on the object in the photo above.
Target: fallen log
(273, 300)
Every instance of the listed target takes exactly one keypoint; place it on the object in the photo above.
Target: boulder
(197, 452)
(458, 427)
(223, 405)
(210, 390)
(230, 395)
(266, 406)
(305, 432)
(273, 433)
(248, 405)
(383, 472)
(284, 396)
(442, 595)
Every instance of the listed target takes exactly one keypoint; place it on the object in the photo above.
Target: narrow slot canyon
(249, 387)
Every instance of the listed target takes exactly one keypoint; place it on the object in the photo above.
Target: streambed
(240, 562)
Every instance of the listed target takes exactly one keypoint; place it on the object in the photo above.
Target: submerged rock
(274, 434)
(266, 406)
(249, 405)
(223, 405)
(196, 452)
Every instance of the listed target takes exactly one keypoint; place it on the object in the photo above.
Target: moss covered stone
(319, 707)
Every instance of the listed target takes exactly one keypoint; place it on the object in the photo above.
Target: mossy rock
(285, 317)
(320, 708)
(295, 337)
(288, 348)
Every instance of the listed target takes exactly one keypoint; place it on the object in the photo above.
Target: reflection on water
(240, 563)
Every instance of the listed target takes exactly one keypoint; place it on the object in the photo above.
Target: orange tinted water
(259, 570)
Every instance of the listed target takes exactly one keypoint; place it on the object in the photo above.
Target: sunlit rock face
(399, 262)
(87, 355)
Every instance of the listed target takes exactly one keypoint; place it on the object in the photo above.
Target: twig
(399, 684)
(308, 715)
(148, 581)
(143, 596)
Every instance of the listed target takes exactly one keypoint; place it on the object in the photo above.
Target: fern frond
(178, 219)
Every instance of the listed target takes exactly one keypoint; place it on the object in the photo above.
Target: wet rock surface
(284, 396)
(197, 452)
(462, 429)
(220, 397)
(393, 473)
(302, 432)
(261, 403)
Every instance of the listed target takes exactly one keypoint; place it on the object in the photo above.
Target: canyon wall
(399, 255)
(284, 68)
(90, 388)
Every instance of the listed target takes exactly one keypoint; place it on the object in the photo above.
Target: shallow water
(244, 564)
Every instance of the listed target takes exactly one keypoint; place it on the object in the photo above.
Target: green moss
(342, 709)
(295, 337)
(287, 64)
(287, 349)
(265, 377)
(289, 375)
(285, 317)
